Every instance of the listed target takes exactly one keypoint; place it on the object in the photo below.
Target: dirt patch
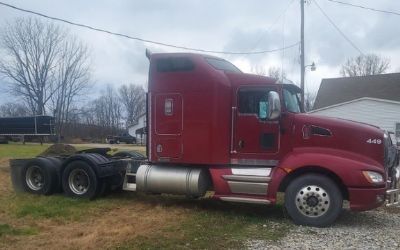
(106, 230)
(4, 163)
(59, 149)
(5, 181)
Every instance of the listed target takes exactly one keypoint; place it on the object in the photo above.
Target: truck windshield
(291, 101)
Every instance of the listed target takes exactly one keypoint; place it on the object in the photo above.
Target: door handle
(241, 144)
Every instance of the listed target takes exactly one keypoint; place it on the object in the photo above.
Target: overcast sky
(224, 25)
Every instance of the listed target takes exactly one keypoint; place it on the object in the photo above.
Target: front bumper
(393, 193)
(392, 197)
(363, 199)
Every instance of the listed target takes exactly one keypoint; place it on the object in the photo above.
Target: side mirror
(274, 105)
(270, 109)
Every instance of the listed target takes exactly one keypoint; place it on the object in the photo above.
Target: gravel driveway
(377, 229)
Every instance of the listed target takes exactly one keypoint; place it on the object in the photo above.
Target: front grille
(391, 163)
(386, 159)
(390, 153)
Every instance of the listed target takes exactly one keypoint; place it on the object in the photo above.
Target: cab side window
(251, 101)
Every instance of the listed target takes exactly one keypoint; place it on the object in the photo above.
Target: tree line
(48, 70)
(108, 114)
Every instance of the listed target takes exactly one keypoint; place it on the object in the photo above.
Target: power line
(366, 8)
(338, 29)
(272, 25)
(142, 39)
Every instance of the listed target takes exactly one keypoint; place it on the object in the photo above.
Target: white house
(369, 99)
(139, 130)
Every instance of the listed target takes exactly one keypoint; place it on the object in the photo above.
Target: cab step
(245, 200)
(129, 186)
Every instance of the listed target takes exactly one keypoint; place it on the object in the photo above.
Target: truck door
(255, 138)
(168, 126)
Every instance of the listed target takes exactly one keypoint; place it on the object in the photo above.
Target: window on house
(397, 130)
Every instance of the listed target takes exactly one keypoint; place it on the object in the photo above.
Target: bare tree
(309, 100)
(277, 73)
(13, 110)
(113, 108)
(273, 72)
(364, 65)
(32, 51)
(258, 70)
(46, 67)
(133, 98)
(72, 77)
(105, 111)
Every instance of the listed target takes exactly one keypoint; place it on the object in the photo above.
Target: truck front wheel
(79, 180)
(313, 200)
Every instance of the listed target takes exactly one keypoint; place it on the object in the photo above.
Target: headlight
(373, 177)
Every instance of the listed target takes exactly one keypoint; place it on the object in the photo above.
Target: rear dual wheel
(35, 178)
(313, 200)
(41, 176)
(80, 181)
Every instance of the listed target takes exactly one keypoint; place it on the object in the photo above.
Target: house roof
(355, 100)
(338, 90)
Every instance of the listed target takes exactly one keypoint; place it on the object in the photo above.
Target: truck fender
(101, 165)
(347, 168)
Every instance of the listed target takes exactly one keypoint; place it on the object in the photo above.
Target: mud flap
(16, 168)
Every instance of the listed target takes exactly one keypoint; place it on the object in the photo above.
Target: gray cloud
(221, 25)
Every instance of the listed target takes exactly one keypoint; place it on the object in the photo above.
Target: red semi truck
(243, 137)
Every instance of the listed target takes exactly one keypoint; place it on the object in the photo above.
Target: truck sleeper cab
(250, 134)
(242, 137)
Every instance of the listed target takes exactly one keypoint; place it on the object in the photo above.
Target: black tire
(313, 200)
(39, 176)
(80, 181)
(57, 164)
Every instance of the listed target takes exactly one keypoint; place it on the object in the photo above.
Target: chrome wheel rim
(79, 181)
(34, 178)
(312, 201)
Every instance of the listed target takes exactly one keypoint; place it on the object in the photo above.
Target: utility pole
(302, 72)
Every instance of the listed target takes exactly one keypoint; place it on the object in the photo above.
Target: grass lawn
(126, 220)
(13, 150)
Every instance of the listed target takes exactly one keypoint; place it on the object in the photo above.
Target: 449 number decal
(374, 141)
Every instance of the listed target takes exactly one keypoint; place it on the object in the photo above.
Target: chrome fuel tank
(172, 180)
